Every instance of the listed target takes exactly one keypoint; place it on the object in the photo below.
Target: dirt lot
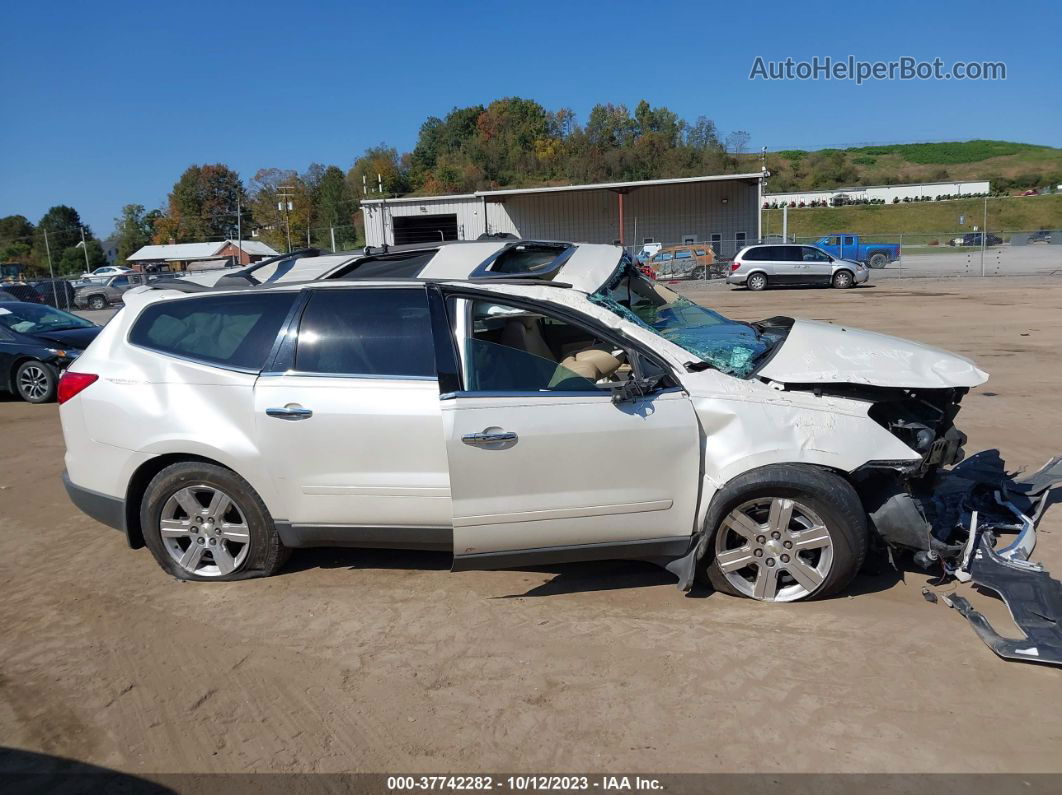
(375, 661)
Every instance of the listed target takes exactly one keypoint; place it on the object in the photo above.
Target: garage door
(424, 228)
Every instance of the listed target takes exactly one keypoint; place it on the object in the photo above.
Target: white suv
(544, 403)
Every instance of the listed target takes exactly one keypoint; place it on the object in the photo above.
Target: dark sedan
(37, 343)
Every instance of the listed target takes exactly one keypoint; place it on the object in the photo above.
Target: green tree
(282, 206)
(134, 229)
(380, 161)
(65, 229)
(202, 205)
(336, 207)
(16, 239)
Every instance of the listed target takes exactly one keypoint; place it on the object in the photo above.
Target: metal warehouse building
(722, 210)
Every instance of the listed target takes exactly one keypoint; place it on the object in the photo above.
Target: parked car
(36, 344)
(1040, 236)
(853, 247)
(107, 270)
(974, 239)
(102, 295)
(648, 250)
(21, 292)
(759, 267)
(56, 292)
(683, 262)
(550, 406)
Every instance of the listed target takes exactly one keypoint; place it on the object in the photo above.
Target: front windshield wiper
(61, 328)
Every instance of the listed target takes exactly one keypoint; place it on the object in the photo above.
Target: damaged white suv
(518, 403)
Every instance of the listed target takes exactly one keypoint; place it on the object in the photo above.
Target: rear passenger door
(818, 268)
(349, 421)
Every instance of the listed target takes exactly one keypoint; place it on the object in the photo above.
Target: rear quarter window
(230, 330)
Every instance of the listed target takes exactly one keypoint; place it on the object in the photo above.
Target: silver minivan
(758, 267)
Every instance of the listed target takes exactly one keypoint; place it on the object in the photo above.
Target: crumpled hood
(815, 352)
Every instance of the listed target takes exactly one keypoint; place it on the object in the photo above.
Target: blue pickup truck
(876, 255)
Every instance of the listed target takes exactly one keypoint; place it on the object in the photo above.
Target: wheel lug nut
(200, 539)
(770, 561)
(213, 541)
(785, 558)
(788, 544)
(776, 535)
(758, 553)
(761, 540)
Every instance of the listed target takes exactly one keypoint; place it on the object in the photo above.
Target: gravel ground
(355, 660)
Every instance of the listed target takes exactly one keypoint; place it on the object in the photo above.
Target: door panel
(369, 453)
(581, 470)
(817, 267)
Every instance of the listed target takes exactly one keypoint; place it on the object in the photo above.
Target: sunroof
(528, 259)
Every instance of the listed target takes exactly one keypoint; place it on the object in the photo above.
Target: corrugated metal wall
(665, 213)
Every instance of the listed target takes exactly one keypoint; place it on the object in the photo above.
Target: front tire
(785, 533)
(36, 382)
(842, 280)
(97, 302)
(756, 282)
(203, 522)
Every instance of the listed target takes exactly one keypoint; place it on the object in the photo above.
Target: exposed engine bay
(967, 519)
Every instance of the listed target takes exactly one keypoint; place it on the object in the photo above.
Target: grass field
(923, 221)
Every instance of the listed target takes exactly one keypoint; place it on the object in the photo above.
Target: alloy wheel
(33, 382)
(774, 549)
(757, 281)
(204, 531)
(842, 280)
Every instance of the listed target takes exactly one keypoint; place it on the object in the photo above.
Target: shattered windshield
(725, 344)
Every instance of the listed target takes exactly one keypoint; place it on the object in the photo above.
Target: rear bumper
(737, 278)
(101, 507)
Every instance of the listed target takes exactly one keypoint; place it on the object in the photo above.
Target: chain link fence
(955, 253)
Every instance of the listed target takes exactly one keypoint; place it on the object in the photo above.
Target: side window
(833, 241)
(760, 253)
(369, 332)
(510, 349)
(120, 281)
(814, 255)
(791, 253)
(849, 240)
(700, 252)
(739, 241)
(230, 330)
(717, 243)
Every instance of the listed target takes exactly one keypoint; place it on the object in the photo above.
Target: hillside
(922, 222)
(1009, 166)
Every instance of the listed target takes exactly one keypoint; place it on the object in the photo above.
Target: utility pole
(48, 250)
(984, 237)
(84, 248)
(51, 273)
(239, 228)
(287, 206)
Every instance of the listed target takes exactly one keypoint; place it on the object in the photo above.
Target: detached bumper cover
(1033, 597)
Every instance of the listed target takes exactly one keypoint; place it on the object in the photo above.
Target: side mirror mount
(634, 389)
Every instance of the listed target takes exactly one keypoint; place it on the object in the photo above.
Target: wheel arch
(138, 484)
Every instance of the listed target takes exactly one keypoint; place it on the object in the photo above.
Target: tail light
(735, 265)
(71, 384)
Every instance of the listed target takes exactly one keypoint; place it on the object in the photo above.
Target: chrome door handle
(489, 437)
(289, 413)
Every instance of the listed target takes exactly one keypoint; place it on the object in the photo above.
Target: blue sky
(106, 103)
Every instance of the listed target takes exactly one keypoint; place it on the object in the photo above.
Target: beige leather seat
(524, 333)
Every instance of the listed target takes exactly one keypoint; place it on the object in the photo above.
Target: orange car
(691, 261)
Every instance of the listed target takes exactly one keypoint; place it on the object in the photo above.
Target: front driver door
(543, 465)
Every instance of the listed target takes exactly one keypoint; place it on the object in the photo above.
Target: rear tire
(784, 533)
(203, 522)
(878, 260)
(842, 280)
(756, 282)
